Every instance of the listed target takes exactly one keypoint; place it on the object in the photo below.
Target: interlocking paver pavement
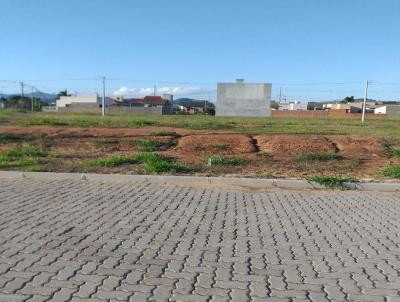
(79, 241)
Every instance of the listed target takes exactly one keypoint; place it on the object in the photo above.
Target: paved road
(74, 241)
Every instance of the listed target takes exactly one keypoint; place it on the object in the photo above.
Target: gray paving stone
(65, 240)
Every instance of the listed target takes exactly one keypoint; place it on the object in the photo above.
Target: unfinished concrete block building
(243, 99)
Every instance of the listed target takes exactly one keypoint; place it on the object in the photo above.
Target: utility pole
(22, 90)
(365, 102)
(280, 94)
(32, 100)
(103, 105)
(155, 90)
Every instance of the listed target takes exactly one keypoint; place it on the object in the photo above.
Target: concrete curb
(195, 180)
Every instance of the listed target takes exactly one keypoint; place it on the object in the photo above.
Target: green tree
(62, 93)
(348, 99)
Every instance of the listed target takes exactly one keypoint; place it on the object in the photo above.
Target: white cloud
(125, 91)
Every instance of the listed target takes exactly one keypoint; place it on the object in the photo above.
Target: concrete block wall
(393, 111)
(243, 99)
(139, 110)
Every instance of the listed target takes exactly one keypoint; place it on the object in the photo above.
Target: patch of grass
(10, 112)
(322, 156)
(208, 124)
(29, 161)
(353, 163)
(390, 149)
(44, 122)
(36, 169)
(163, 133)
(113, 161)
(24, 151)
(332, 182)
(147, 145)
(143, 123)
(22, 156)
(105, 142)
(216, 160)
(289, 125)
(156, 163)
(265, 175)
(220, 147)
(160, 166)
(393, 171)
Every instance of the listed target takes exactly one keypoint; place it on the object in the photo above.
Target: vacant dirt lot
(266, 155)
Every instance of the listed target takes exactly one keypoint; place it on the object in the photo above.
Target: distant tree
(347, 99)
(16, 101)
(274, 104)
(62, 93)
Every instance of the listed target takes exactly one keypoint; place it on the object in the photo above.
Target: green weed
(24, 151)
(217, 160)
(325, 156)
(147, 145)
(105, 142)
(331, 182)
(220, 147)
(4, 162)
(44, 122)
(163, 133)
(22, 156)
(265, 175)
(35, 169)
(156, 163)
(263, 154)
(113, 161)
(353, 163)
(393, 171)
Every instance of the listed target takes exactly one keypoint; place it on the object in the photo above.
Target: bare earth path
(78, 241)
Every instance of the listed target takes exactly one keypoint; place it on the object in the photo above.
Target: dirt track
(267, 154)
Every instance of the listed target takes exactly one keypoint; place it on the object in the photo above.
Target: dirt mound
(283, 145)
(226, 144)
(356, 146)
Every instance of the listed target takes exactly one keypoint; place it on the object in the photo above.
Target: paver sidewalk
(66, 240)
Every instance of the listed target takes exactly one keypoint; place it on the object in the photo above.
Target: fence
(323, 114)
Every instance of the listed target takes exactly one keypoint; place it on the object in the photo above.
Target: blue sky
(190, 45)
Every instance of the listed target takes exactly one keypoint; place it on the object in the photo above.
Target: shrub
(331, 181)
(113, 161)
(225, 160)
(393, 171)
(325, 156)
